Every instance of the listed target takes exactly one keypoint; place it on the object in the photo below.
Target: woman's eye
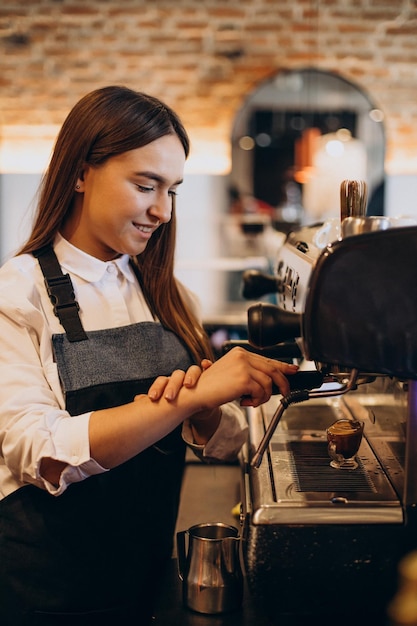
(149, 189)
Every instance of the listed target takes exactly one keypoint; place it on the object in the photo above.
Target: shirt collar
(84, 265)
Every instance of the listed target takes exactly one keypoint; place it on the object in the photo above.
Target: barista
(105, 374)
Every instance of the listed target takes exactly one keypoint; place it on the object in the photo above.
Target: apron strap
(61, 293)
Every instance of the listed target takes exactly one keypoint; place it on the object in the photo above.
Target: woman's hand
(244, 376)
(237, 367)
(239, 374)
(169, 386)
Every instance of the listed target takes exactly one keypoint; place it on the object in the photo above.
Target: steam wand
(293, 398)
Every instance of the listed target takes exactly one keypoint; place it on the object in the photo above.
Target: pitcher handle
(181, 553)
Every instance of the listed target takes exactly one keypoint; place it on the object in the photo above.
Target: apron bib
(91, 556)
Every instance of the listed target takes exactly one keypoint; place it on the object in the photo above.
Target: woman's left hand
(169, 386)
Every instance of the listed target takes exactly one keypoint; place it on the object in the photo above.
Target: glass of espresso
(344, 437)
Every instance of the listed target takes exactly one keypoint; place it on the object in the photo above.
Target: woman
(105, 374)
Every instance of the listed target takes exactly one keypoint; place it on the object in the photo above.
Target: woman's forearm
(118, 434)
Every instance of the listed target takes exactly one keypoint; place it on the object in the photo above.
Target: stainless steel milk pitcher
(210, 569)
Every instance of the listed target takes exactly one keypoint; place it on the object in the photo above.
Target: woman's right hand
(253, 374)
(244, 375)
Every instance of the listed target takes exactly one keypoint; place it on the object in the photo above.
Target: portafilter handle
(269, 325)
(293, 398)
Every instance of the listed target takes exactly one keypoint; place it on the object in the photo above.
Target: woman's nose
(162, 208)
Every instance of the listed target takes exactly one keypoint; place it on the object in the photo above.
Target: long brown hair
(104, 123)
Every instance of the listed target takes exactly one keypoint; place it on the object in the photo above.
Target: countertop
(171, 612)
(209, 494)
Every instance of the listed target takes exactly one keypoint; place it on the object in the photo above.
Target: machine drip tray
(312, 471)
(296, 484)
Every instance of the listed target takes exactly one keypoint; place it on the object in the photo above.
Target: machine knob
(257, 284)
(269, 325)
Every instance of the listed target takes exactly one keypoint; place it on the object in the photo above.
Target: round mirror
(297, 137)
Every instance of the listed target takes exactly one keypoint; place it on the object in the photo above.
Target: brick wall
(203, 57)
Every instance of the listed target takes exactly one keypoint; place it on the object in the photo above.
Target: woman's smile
(146, 230)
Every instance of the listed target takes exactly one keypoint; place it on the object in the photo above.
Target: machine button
(302, 246)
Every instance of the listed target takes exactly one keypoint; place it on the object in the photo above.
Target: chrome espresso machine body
(318, 540)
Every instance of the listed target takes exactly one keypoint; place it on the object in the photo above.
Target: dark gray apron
(93, 555)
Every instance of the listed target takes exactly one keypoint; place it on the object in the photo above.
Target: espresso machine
(317, 540)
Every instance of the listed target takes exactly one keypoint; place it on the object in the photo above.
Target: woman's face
(121, 203)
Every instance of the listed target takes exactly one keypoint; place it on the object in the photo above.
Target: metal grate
(312, 472)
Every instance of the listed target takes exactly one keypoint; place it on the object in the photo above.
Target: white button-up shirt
(33, 421)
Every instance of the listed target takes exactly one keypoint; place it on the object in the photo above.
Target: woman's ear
(79, 185)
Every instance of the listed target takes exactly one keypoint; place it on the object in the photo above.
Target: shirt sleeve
(34, 423)
(226, 442)
(68, 441)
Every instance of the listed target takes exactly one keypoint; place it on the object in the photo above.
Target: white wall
(201, 203)
(17, 202)
(401, 195)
